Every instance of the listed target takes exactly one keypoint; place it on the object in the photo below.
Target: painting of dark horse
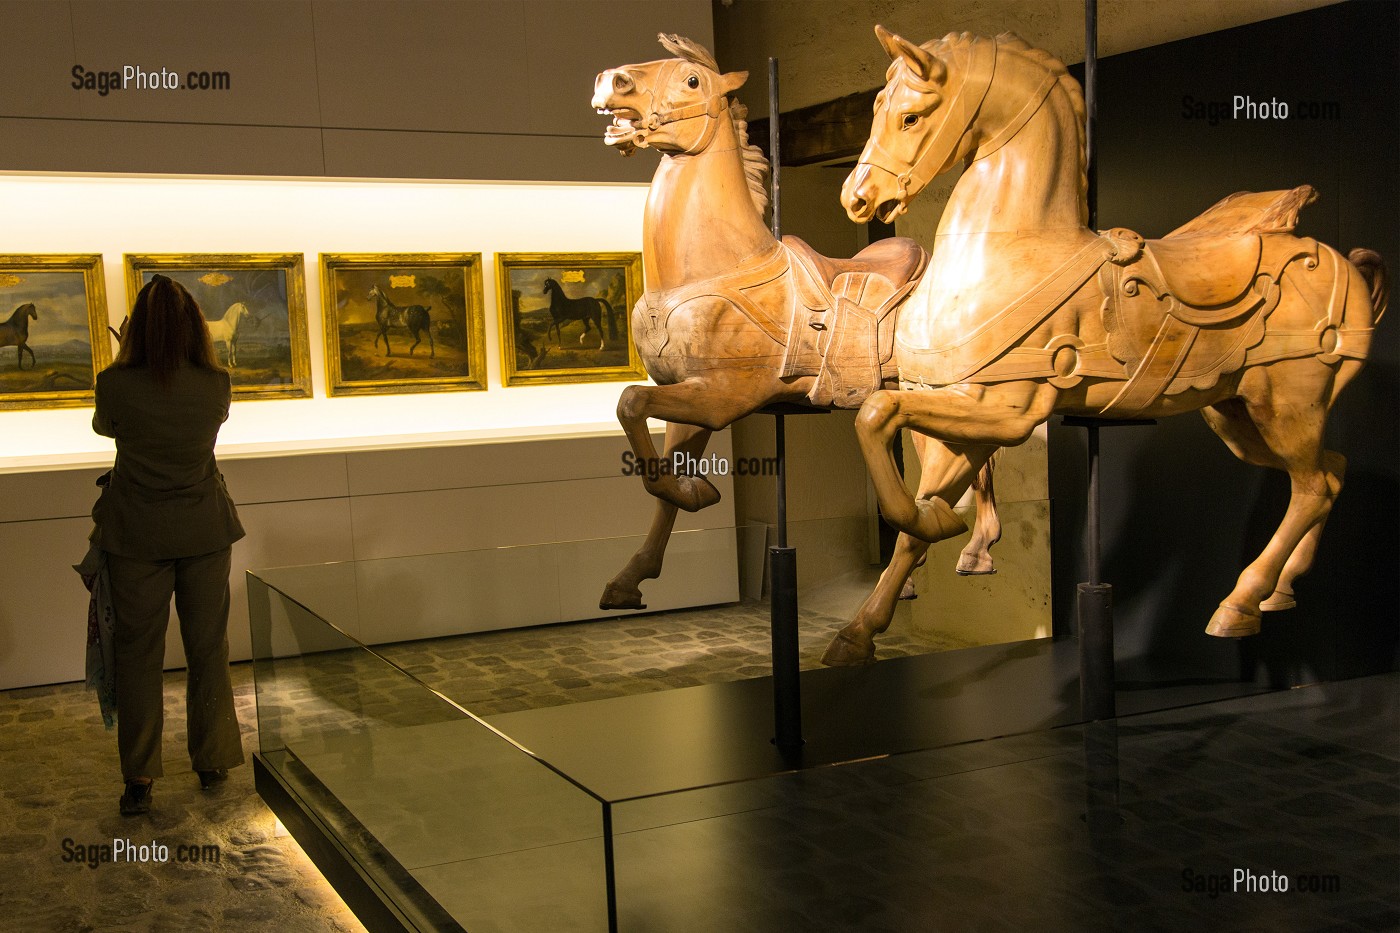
(15, 333)
(416, 319)
(382, 311)
(53, 311)
(564, 316)
(586, 308)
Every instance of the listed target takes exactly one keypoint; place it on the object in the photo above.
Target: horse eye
(909, 120)
(692, 82)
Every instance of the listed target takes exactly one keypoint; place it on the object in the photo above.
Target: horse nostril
(621, 82)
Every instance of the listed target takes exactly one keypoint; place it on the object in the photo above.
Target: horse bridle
(963, 110)
(711, 109)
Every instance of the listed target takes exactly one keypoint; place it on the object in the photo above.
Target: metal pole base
(787, 690)
(1094, 606)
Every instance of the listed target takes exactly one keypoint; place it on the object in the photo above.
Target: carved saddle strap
(952, 364)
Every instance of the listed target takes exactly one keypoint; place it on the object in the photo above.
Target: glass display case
(430, 808)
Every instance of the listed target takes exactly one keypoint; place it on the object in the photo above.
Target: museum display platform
(653, 811)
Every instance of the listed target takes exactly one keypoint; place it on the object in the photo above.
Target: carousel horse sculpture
(734, 319)
(1024, 311)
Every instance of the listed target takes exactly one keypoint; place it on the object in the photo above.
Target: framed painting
(53, 330)
(255, 304)
(403, 322)
(565, 317)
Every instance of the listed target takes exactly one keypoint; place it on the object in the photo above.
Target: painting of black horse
(543, 295)
(586, 308)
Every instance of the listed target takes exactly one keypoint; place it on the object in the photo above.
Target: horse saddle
(842, 326)
(1189, 310)
(1190, 307)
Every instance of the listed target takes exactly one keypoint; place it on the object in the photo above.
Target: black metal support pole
(1093, 602)
(787, 686)
(774, 162)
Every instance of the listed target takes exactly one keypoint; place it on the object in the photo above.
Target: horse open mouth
(889, 210)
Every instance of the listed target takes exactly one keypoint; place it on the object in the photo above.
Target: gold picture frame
(403, 322)
(547, 329)
(265, 343)
(53, 312)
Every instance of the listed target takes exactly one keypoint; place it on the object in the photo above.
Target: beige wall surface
(447, 539)
(479, 89)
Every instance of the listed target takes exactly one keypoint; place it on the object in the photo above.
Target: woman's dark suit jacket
(165, 498)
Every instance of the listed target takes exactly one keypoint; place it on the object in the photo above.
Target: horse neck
(701, 220)
(1032, 183)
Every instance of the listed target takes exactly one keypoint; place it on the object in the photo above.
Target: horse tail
(1372, 268)
(612, 318)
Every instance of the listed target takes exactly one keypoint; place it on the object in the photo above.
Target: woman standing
(166, 522)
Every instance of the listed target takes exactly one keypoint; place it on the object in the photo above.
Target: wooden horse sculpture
(1024, 311)
(733, 319)
(588, 309)
(417, 319)
(15, 333)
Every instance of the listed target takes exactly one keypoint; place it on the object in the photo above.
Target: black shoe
(208, 779)
(137, 799)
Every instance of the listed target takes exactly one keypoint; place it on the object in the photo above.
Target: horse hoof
(621, 597)
(696, 493)
(1233, 622)
(845, 651)
(909, 592)
(971, 565)
(1278, 602)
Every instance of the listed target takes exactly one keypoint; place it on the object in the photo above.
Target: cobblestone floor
(59, 772)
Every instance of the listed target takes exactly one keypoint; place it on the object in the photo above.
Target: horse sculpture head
(922, 120)
(936, 111)
(673, 105)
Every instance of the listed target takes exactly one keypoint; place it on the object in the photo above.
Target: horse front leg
(623, 591)
(694, 402)
(976, 557)
(973, 419)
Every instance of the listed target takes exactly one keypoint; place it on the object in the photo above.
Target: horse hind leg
(976, 557)
(1279, 422)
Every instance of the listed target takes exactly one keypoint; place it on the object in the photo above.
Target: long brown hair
(166, 330)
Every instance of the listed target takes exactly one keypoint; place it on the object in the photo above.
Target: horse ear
(731, 82)
(921, 62)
